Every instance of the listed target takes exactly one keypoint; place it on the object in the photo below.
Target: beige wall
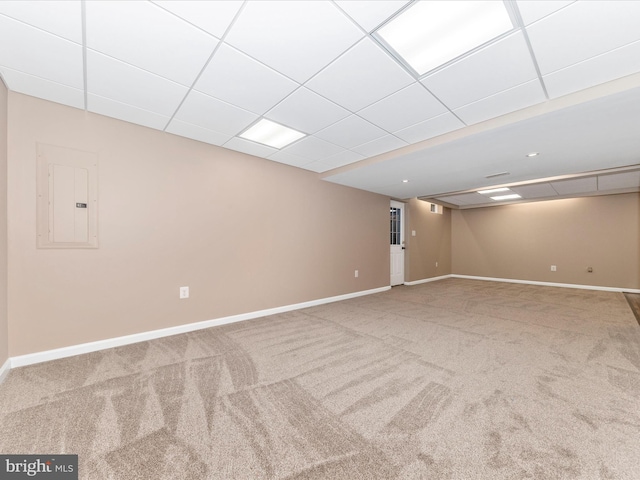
(523, 241)
(4, 326)
(431, 244)
(244, 233)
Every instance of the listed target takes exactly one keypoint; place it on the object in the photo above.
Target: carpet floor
(455, 379)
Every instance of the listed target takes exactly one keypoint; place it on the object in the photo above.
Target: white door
(397, 243)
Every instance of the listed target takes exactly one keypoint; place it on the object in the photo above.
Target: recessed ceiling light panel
(429, 34)
(271, 134)
(493, 190)
(511, 196)
(533, 154)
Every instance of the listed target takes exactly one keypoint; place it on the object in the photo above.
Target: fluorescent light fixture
(405, 181)
(512, 196)
(429, 34)
(533, 154)
(271, 133)
(493, 190)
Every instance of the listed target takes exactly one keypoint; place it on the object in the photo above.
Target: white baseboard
(38, 357)
(4, 370)
(427, 280)
(548, 284)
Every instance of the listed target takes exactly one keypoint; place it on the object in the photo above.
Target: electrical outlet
(184, 293)
(553, 268)
(356, 274)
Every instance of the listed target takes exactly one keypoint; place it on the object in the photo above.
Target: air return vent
(501, 174)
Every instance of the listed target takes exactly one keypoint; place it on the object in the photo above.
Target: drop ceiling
(603, 182)
(564, 82)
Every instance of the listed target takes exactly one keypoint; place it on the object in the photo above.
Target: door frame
(401, 245)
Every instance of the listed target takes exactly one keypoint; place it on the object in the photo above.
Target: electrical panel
(67, 189)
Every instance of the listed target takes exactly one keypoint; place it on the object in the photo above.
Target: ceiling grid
(195, 81)
(210, 70)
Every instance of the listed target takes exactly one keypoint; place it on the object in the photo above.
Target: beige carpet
(456, 379)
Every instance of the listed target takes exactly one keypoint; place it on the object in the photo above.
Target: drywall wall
(522, 241)
(431, 243)
(4, 326)
(245, 234)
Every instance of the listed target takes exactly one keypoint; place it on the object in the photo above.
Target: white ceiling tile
(597, 134)
(317, 167)
(40, 88)
(195, 132)
(313, 149)
(466, 199)
(370, 14)
(594, 71)
(379, 146)
(247, 146)
(495, 68)
(508, 101)
(40, 53)
(237, 79)
(346, 157)
(63, 18)
(212, 17)
(430, 128)
(407, 107)
(213, 114)
(289, 159)
(124, 83)
(306, 111)
(537, 190)
(377, 175)
(533, 10)
(121, 111)
(144, 35)
(576, 185)
(360, 77)
(619, 180)
(353, 105)
(350, 132)
(295, 38)
(368, 177)
(583, 30)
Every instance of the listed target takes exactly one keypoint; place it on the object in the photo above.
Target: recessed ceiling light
(429, 34)
(533, 154)
(405, 181)
(271, 134)
(493, 190)
(506, 197)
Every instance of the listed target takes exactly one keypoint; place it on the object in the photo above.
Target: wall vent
(494, 175)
